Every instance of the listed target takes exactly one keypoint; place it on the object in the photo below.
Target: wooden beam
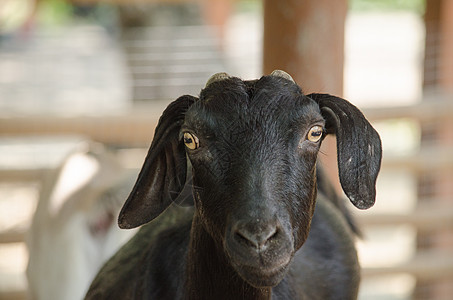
(426, 160)
(424, 266)
(107, 129)
(15, 235)
(134, 127)
(14, 294)
(441, 108)
(425, 217)
(23, 175)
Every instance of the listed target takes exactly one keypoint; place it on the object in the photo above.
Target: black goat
(251, 148)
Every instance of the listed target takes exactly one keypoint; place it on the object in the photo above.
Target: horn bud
(217, 77)
(282, 74)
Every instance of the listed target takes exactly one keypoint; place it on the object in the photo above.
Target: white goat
(74, 229)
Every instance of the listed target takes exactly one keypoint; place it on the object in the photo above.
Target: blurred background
(83, 82)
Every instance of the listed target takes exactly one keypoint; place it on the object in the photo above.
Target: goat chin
(263, 276)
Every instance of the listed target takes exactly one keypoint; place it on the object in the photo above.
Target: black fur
(254, 232)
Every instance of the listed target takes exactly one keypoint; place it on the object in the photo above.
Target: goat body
(261, 227)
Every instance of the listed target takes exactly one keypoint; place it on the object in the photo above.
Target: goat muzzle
(260, 251)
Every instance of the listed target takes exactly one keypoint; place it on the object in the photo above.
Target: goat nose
(256, 236)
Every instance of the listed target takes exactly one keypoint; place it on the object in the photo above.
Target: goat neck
(208, 273)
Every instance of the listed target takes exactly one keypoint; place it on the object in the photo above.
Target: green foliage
(249, 5)
(54, 12)
(388, 5)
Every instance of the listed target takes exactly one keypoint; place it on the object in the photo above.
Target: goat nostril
(273, 234)
(241, 237)
(257, 240)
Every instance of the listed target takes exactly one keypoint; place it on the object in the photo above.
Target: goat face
(253, 147)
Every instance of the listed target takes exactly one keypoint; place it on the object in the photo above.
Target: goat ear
(163, 174)
(358, 146)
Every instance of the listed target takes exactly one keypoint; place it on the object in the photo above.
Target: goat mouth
(264, 275)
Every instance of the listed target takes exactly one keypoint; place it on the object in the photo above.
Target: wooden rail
(423, 266)
(423, 161)
(23, 175)
(134, 127)
(15, 235)
(19, 294)
(424, 217)
(432, 108)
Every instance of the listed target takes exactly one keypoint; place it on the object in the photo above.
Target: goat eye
(191, 141)
(315, 134)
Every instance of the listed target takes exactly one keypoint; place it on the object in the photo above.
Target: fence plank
(425, 217)
(424, 161)
(430, 265)
(15, 235)
(438, 108)
(134, 127)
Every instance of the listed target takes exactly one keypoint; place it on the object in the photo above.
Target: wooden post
(216, 13)
(446, 50)
(306, 39)
(438, 67)
(437, 83)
